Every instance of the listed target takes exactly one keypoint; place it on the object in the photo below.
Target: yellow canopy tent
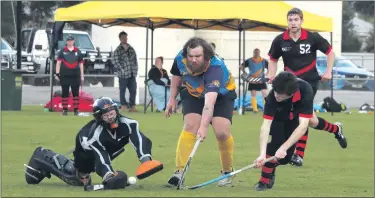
(221, 15)
(211, 15)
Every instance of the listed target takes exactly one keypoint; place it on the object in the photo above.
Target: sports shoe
(261, 186)
(340, 136)
(176, 177)
(296, 160)
(227, 181)
(65, 113)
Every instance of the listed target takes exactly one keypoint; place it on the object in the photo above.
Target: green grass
(328, 170)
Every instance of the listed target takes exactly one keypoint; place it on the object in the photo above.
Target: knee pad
(47, 162)
(118, 181)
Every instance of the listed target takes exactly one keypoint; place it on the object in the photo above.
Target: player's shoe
(65, 113)
(340, 136)
(261, 186)
(176, 177)
(227, 181)
(296, 160)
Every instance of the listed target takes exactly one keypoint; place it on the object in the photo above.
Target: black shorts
(280, 132)
(314, 85)
(223, 107)
(70, 80)
(256, 86)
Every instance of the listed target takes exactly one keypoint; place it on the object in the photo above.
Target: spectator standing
(125, 61)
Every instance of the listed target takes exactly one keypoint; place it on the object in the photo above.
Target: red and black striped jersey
(70, 61)
(299, 56)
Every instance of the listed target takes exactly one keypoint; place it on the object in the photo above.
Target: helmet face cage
(102, 106)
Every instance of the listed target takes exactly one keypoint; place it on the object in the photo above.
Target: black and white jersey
(106, 143)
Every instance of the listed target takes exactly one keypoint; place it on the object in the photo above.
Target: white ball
(132, 180)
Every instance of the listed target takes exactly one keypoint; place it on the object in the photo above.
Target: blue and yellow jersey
(256, 67)
(216, 78)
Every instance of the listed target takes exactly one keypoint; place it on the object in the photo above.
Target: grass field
(328, 170)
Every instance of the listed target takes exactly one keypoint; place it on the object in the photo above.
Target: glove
(116, 180)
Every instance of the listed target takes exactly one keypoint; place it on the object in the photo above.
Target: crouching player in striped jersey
(97, 144)
(287, 112)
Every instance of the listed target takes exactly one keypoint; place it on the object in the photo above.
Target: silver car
(8, 55)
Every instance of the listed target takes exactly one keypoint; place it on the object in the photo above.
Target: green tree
(350, 41)
(41, 12)
(370, 42)
(365, 9)
(8, 26)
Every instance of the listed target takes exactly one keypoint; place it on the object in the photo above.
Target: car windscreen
(344, 63)
(81, 41)
(5, 46)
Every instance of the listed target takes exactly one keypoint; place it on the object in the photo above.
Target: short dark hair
(256, 49)
(122, 33)
(285, 83)
(194, 42)
(161, 58)
(296, 11)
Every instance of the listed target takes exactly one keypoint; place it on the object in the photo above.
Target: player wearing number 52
(298, 48)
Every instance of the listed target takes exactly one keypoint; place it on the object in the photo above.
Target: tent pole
(332, 80)
(145, 96)
(243, 60)
(239, 70)
(152, 58)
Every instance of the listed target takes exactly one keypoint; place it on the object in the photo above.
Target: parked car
(347, 74)
(36, 49)
(8, 55)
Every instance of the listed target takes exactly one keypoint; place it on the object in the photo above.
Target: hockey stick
(227, 175)
(180, 182)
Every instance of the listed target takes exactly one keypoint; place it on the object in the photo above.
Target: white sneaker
(227, 181)
(176, 177)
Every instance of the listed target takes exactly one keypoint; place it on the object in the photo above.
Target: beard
(197, 69)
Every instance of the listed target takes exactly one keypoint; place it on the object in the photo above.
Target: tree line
(34, 14)
(351, 41)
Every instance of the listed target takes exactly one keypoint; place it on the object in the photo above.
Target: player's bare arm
(330, 60)
(272, 68)
(263, 138)
(176, 83)
(208, 109)
(207, 113)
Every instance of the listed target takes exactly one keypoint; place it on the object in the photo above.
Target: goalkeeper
(97, 144)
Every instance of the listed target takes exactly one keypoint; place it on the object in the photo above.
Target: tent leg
(243, 60)
(332, 71)
(239, 70)
(145, 96)
(152, 58)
